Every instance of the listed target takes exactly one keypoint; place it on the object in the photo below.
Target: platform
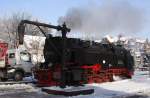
(69, 91)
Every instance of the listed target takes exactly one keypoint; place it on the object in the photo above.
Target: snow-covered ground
(137, 87)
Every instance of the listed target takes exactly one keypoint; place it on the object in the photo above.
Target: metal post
(63, 66)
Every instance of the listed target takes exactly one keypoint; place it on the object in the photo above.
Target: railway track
(16, 82)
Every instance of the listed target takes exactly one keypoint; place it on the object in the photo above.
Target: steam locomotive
(82, 52)
(86, 61)
(72, 61)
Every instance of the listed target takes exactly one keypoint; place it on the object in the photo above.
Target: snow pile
(119, 88)
(15, 88)
(69, 88)
(127, 86)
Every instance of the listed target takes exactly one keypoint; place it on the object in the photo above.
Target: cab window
(12, 55)
(25, 56)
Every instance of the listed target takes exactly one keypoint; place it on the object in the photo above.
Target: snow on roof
(140, 41)
(109, 38)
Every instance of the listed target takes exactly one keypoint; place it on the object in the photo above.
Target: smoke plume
(109, 17)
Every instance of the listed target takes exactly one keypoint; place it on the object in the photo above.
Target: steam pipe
(58, 28)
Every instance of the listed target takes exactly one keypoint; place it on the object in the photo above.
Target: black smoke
(109, 17)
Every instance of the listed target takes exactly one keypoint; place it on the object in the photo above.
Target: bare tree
(10, 25)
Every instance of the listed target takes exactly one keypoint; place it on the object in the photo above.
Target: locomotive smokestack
(109, 17)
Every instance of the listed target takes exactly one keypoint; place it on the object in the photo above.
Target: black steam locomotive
(107, 58)
(72, 61)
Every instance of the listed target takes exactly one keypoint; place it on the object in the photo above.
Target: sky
(49, 11)
(44, 10)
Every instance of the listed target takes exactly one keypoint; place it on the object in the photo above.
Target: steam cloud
(109, 17)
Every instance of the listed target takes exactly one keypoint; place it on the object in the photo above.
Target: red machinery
(3, 60)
